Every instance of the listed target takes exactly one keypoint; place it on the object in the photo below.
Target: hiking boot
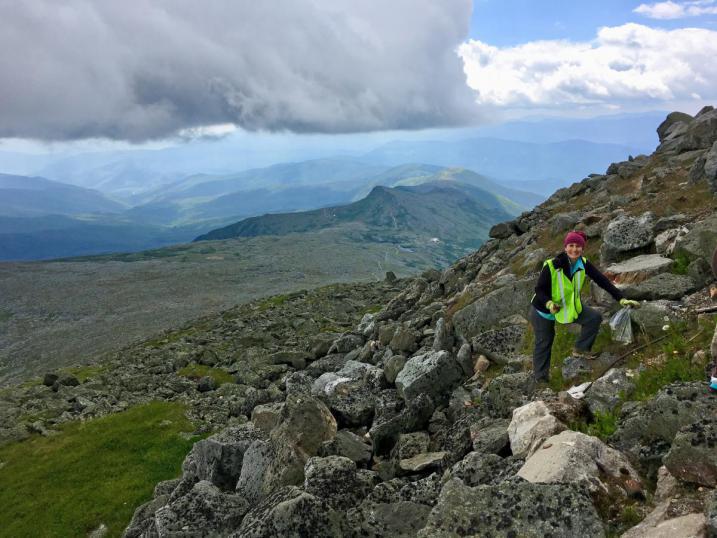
(584, 354)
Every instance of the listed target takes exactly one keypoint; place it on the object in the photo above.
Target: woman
(557, 298)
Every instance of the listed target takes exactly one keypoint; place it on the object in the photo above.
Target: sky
(145, 71)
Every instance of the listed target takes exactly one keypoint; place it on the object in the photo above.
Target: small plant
(602, 426)
(83, 373)
(272, 302)
(630, 517)
(197, 371)
(681, 263)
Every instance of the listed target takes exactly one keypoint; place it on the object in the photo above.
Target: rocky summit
(408, 408)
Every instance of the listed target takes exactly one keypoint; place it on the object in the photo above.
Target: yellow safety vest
(565, 292)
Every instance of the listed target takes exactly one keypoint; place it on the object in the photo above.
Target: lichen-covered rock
(204, 510)
(499, 304)
(513, 509)
(333, 479)
(609, 390)
(574, 367)
(292, 513)
(625, 234)
(711, 513)
(392, 418)
(500, 344)
(530, 425)
(400, 519)
(661, 524)
(434, 374)
(490, 435)
(693, 456)
(646, 429)
(267, 416)
(349, 445)
(478, 469)
(218, 459)
(143, 518)
(662, 286)
(507, 392)
(653, 315)
(700, 241)
(404, 339)
(393, 367)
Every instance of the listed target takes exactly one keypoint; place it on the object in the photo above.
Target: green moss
(197, 371)
(371, 309)
(603, 425)
(272, 302)
(92, 472)
(681, 263)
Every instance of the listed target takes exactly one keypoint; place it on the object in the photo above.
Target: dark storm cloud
(144, 69)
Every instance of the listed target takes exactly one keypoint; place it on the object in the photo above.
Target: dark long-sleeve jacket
(543, 293)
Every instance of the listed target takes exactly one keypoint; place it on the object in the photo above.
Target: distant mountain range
(453, 216)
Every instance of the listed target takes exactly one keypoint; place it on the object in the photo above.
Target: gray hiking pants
(544, 330)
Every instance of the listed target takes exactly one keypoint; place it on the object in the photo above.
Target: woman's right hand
(552, 307)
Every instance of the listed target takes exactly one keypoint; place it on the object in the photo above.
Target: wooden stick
(706, 309)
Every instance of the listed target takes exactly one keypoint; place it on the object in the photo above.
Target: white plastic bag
(621, 326)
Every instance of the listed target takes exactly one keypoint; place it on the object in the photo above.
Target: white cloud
(145, 69)
(624, 65)
(674, 10)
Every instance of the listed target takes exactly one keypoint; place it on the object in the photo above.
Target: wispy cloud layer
(624, 64)
(674, 10)
(151, 68)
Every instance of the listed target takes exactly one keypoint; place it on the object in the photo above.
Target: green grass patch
(372, 309)
(83, 373)
(602, 426)
(272, 302)
(197, 371)
(92, 472)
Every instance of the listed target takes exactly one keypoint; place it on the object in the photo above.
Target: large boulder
(478, 469)
(637, 269)
(701, 132)
(399, 519)
(513, 508)
(530, 426)
(653, 315)
(507, 392)
(348, 444)
(350, 392)
(218, 459)
(669, 123)
(660, 523)
(490, 435)
(608, 391)
(393, 418)
(333, 479)
(502, 343)
(626, 234)
(292, 513)
(574, 457)
(435, 374)
(663, 286)
(486, 311)
(204, 510)
(700, 241)
(647, 429)
(709, 170)
(693, 456)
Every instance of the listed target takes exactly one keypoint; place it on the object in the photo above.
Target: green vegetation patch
(681, 263)
(197, 371)
(83, 373)
(272, 302)
(91, 473)
(602, 426)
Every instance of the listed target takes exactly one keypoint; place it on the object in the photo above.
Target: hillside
(453, 213)
(408, 408)
(22, 196)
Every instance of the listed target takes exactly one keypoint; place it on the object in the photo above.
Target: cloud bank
(673, 10)
(626, 64)
(148, 69)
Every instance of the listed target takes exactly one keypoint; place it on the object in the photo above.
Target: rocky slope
(420, 417)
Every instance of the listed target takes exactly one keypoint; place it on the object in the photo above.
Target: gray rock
(218, 459)
(660, 523)
(391, 419)
(710, 168)
(255, 480)
(663, 286)
(295, 359)
(668, 124)
(49, 379)
(292, 513)
(693, 456)
(700, 241)
(267, 416)
(609, 390)
(485, 312)
(346, 343)
(443, 339)
(646, 429)
(513, 509)
(404, 339)
(400, 519)
(143, 518)
(422, 462)
(625, 234)
(499, 345)
(333, 479)
(507, 392)
(502, 230)
(434, 374)
(478, 469)
(393, 367)
(299, 383)
(206, 384)
(666, 241)
(464, 357)
(653, 315)
(711, 513)
(410, 444)
(637, 269)
(205, 510)
(564, 221)
(701, 133)
(490, 436)
(574, 367)
(348, 445)
(700, 272)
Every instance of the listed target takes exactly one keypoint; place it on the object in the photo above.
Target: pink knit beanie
(577, 237)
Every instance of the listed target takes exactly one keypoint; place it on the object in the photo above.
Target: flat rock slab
(422, 462)
(662, 286)
(637, 269)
